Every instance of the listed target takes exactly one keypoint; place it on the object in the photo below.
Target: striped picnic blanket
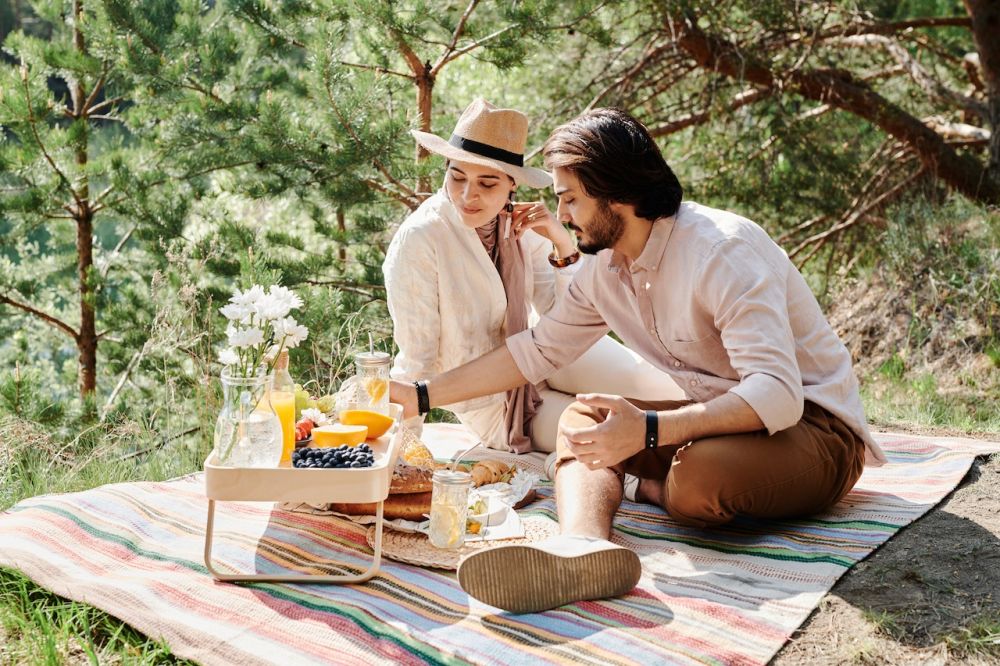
(724, 596)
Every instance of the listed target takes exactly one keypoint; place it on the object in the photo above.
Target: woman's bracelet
(564, 261)
(423, 400)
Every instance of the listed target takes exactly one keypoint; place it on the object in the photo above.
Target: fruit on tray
(337, 434)
(341, 457)
(377, 424)
(303, 429)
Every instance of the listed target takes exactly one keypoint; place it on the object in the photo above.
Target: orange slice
(376, 423)
(338, 433)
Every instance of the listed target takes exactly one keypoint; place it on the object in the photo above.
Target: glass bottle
(372, 381)
(283, 402)
(247, 432)
(449, 506)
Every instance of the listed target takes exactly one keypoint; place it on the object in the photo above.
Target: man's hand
(405, 394)
(606, 444)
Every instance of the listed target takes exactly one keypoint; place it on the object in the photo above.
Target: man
(774, 426)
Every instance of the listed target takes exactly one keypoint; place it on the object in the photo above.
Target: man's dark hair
(616, 160)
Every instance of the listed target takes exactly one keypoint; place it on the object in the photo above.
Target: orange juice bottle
(283, 402)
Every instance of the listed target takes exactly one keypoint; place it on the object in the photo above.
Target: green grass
(981, 638)
(895, 399)
(38, 627)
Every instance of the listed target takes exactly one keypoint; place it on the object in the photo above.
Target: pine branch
(842, 90)
(85, 110)
(818, 240)
(47, 318)
(407, 193)
(740, 100)
(118, 248)
(459, 30)
(121, 382)
(897, 26)
(113, 100)
(376, 68)
(475, 45)
(409, 55)
(32, 122)
(920, 76)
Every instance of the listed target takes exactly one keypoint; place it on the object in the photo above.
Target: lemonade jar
(449, 505)
(372, 381)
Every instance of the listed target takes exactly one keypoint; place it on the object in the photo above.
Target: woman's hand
(535, 216)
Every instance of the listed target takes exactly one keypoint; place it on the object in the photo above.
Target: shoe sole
(522, 579)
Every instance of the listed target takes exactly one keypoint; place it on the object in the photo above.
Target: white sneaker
(557, 571)
(630, 487)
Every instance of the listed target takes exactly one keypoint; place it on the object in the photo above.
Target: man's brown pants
(795, 472)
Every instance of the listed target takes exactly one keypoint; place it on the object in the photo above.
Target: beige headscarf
(522, 402)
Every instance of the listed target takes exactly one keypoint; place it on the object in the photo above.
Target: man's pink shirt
(716, 304)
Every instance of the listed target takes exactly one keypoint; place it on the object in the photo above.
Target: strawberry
(303, 429)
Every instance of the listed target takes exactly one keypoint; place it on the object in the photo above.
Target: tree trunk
(986, 35)
(342, 228)
(425, 90)
(86, 340)
(841, 90)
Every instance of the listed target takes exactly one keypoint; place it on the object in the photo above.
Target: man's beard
(604, 230)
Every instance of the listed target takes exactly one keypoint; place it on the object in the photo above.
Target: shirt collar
(656, 245)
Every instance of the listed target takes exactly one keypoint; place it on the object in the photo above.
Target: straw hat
(491, 137)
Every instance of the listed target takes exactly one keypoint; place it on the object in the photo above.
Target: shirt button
(677, 364)
(694, 382)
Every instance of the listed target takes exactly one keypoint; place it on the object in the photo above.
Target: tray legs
(294, 578)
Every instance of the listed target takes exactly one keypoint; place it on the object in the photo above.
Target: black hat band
(487, 150)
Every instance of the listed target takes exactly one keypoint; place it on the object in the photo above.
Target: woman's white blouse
(445, 295)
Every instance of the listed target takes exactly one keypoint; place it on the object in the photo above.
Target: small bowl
(494, 517)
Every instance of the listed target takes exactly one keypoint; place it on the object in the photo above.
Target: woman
(471, 267)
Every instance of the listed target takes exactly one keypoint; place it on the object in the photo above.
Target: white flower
(278, 302)
(248, 297)
(271, 309)
(291, 331)
(286, 295)
(244, 337)
(237, 312)
(228, 357)
(316, 416)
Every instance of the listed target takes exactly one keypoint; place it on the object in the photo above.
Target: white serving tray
(290, 484)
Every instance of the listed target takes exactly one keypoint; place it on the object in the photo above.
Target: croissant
(486, 472)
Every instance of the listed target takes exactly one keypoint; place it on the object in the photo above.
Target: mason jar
(449, 506)
(372, 381)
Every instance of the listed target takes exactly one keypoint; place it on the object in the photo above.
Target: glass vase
(247, 432)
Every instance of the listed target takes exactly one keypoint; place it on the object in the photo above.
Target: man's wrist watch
(652, 429)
